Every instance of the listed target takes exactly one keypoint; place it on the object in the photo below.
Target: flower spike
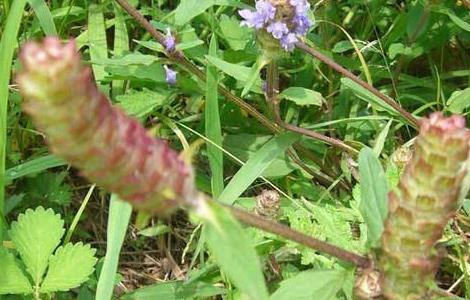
(83, 127)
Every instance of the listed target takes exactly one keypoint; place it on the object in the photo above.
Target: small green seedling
(39, 270)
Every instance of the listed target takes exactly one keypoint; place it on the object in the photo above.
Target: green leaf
(140, 103)
(44, 16)
(253, 168)
(366, 95)
(118, 220)
(380, 141)
(374, 191)
(50, 187)
(457, 21)
(234, 252)
(237, 36)
(97, 42)
(212, 125)
(417, 21)
(176, 290)
(13, 280)
(302, 96)
(238, 72)
(188, 9)
(459, 101)
(33, 166)
(154, 230)
(313, 284)
(121, 44)
(69, 267)
(7, 47)
(35, 235)
(245, 146)
(253, 76)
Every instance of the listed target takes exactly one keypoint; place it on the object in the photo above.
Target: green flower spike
(426, 198)
(83, 127)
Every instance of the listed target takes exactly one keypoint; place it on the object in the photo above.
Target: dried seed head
(83, 127)
(268, 204)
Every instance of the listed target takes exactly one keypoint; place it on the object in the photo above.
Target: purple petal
(277, 29)
(170, 41)
(266, 10)
(170, 75)
(288, 41)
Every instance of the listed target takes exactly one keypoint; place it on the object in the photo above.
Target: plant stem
(406, 115)
(179, 57)
(293, 235)
(271, 95)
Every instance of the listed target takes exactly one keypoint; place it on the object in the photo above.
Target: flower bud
(82, 126)
(426, 198)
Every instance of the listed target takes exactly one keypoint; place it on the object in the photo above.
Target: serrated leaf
(374, 192)
(13, 280)
(307, 285)
(35, 235)
(302, 96)
(459, 101)
(69, 267)
(234, 252)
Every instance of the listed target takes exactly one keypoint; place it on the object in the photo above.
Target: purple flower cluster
(285, 30)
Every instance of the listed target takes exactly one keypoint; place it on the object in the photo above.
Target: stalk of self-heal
(419, 209)
(82, 126)
(278, 22)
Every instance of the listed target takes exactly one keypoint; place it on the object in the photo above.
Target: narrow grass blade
(97, 42)
(44, 16)
(212, 123)
(7, 47)
(121, 44)
(78, 215)
(255, 166)
(33, 166)
(118, 220)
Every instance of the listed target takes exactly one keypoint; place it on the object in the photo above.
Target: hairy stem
(293, 235)
(405, 114)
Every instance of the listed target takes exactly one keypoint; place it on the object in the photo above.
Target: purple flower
(288, 41)
(266, 10)
(252, 18)
(264, 13)
(277, 29)
(170, 75)
(302, 24)
(170, 41)
(301, 6)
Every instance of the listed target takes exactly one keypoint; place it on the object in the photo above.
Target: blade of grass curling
(234, 251)
(118, 220)
(212, 124)
(98, 45)
(7, 48)
(121, 44)
(255, 166)
(44, 16)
